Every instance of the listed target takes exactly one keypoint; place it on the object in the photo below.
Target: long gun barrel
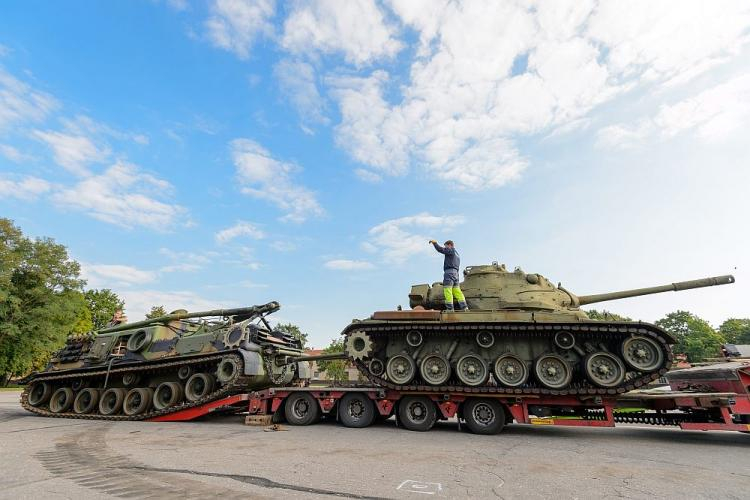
(672, 287)
(244, 311)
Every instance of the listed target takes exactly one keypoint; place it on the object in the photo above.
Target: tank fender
(253, 363)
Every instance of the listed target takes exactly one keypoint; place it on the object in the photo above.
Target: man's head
(448, 244)
(118, 314)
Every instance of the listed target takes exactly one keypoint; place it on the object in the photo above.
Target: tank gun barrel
(245, 311)
(672, 287)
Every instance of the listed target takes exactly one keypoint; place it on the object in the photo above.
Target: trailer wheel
(417, 413)
(356, 410)
(301, 409)
(484, 416)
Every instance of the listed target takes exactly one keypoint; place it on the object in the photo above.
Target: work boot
(462, 306)
(449, 308)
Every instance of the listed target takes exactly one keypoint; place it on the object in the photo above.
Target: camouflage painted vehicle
(521, 335)
(157, 366)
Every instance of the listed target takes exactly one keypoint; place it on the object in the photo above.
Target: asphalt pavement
(62, 458)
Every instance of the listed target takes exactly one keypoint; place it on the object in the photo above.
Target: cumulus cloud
(348, 265)
(125, 196)
(21, 103)
(29, 188)
(108, 275)
(266, 178)
(241, 228)
(299, 86)
(357, 29)
(234, 25)
(13, 154)
(72, 152)
(713, 115)
(401, 238)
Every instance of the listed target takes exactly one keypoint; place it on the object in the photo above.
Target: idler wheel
(198, 386)
(435, 369)
(356, 410)
(564, 340)
(61, 400)
(110, 402)
(553, 371)
(137, 401)
(485, 339)
(472, 370)
(417, 413)
(301, 409)
(39, 393)
(400, 369)
(86, 401)
(376, 367)
(167, 394)
(139, 340)
(642, 354)
(484, 416)
(228, 369)
(604, 369)
(414, 338)
(511, 371)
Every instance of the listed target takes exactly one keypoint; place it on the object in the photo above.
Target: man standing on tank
(451, 265)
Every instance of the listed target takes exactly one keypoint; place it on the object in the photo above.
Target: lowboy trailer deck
(715, 397)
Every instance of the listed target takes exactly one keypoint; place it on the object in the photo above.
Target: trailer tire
(356, 410)
(417, 413)
(484, 416)
(301, 409)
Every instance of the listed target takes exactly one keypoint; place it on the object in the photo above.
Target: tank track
(233, 386)
(377, 332)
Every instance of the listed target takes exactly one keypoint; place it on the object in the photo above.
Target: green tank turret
(135, 371)
(521, 334)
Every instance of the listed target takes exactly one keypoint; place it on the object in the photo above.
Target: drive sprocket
(358, 345)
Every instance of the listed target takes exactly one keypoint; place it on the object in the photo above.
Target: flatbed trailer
(715, 397)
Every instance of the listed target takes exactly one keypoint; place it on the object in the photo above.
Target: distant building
(319, 375)
(736, 351)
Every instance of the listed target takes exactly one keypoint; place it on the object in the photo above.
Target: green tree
(736, 330)
(40, 300)
(336, 368)
(294, 331)
(103, 304)
(695, 337)
(156, 311)
(605, 315)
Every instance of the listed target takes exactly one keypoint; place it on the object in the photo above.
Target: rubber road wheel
(39, 393)
(198, 386)
(356, 410)
(417, 413)
(110, 402)
(86, 401)
(137, 401)
(167, 394)
(301, 409)
(484, 416)
(61, 400)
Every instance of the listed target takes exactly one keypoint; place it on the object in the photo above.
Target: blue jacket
(452, 260)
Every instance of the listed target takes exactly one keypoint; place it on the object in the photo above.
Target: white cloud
(13, 154)
(110, 275)
(72, 152)
(399, 239)
(28, 188)
(20, 103)
(348, 265)
(138, 302)
(264, 177)
(241, 228)
(298, 84)
(185, 261)
(283, 246)
(355, 28)
(125, 196)
(234, 25)
(713, 115)
(368, 176)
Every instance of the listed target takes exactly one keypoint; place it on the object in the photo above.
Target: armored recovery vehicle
(149, 368)
(521, 335)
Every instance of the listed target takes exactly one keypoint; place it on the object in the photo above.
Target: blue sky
(225, 153)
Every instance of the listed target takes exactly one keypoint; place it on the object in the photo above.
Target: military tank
(141, 370)
(521, 334)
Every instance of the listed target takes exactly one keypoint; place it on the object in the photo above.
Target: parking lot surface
(219, 456)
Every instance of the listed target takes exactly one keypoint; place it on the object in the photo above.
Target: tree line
(43, 299)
